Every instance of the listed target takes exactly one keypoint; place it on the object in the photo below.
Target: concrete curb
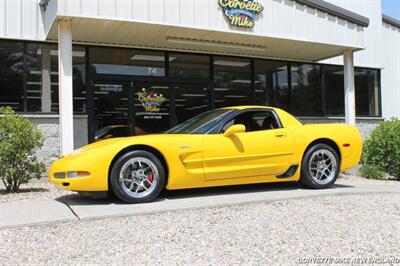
(23, 213)
(70, 209)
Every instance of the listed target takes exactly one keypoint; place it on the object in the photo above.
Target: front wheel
(320, 166)
(137, 176)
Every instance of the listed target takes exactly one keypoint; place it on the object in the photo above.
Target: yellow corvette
(227, 146)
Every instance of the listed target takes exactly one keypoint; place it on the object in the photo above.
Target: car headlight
(74, 174)
(71, 174)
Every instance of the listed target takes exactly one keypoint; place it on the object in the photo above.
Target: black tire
(307, 177)
(117, 186)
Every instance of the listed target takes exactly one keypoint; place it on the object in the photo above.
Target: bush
(382, 148)
(19, 140)
(371, 172)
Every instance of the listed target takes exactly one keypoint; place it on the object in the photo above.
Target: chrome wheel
(138, 177)
(322, 166)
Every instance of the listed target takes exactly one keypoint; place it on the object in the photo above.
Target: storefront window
(42, 78)
(271, 83)
(37, 65)
(189, 66)
(232, 81)
(306, 90)
(113, 61)
(190, 100)
(11, 75)
(34, 85)
(29, 83)
(78, 75)
(334, 90)
(367, 92)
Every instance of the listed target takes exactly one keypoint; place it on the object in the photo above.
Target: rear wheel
(320, 166)
(137, 176)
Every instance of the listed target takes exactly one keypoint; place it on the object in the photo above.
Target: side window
(254, 121)
(120, 132)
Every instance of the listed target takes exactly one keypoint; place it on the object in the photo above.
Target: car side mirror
(234, 129)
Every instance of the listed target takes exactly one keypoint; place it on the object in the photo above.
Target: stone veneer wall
(49, 125)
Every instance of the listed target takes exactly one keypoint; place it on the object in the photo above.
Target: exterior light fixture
(242, 46)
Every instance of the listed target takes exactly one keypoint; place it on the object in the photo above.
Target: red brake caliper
(150, 177)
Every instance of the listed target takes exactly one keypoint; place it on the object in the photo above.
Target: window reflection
(78, 75)
(11, 75)
(334, 90)
(232, 81)
(271, 83)
(367, 92)
(127, 62)
(189, 66)
(42, 78)
(306, 90)
(36, 64)
(36, 100)
(190, 100)
(111, 108)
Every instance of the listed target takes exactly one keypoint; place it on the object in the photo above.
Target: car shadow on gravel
(77, 199)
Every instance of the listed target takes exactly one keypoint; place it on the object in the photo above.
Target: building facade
(78, 68)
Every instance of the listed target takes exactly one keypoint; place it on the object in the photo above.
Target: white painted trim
(65, 86)
(349, 95)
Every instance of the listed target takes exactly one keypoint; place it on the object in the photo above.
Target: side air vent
(289, 172)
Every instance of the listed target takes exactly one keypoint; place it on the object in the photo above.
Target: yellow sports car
(227, 146)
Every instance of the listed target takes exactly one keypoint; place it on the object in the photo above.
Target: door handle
(184, 147)
(280, 135)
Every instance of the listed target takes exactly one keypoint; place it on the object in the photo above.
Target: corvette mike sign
(241, 13)
(150, 101)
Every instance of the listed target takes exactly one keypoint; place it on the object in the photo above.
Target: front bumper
(96, 180)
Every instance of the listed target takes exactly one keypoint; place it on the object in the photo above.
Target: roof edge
(336, 11)
(391, 21)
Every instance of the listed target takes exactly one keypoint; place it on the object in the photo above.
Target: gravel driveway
(34, 190)
(283, 233)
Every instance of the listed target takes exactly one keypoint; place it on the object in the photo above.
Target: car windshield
(201, 123)
(103, 131)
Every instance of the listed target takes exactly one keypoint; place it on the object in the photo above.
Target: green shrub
(371, 172)
(382, 148)
(19, 140)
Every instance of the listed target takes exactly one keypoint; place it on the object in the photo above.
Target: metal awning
(304, 30)
(166, 37)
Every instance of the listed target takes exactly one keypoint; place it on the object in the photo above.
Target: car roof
(243, 107)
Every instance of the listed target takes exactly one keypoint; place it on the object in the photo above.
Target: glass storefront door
(151, 107)
(111, 109)
(124, 108)
(190, 100)
(159, 107)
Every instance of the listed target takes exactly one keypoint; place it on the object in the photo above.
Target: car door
(261, 150)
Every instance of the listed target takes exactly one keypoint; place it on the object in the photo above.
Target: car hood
(142, 139)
